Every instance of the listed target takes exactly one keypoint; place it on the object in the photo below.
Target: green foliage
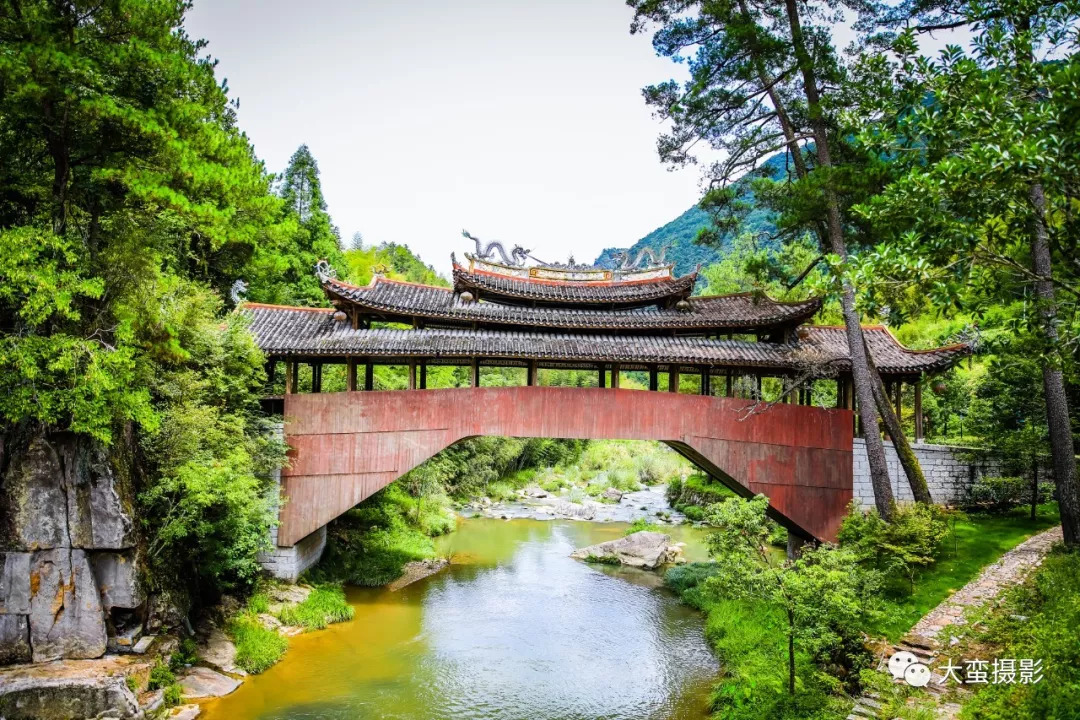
(907, 544)
(1037, 620)
(257, 648)
(997, 494)
(697, 489)
(186, 654)
(325, 605)
(173, 696)
(641, 524)
(396, 262)
(160, 676)
(207, 510)
(370, 544)
(132, 683)
(825, 599)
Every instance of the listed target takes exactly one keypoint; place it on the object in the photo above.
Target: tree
(825, 596)
(989, 143)
(129, 203)
(759, 83)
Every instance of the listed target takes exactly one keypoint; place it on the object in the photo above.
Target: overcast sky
(518, 120)
(514, 119)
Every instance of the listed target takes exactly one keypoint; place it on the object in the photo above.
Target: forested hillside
(681, 232)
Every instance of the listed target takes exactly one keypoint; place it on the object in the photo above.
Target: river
(514, 629)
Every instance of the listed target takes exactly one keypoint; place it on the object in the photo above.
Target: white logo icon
(900, 662)
(917, 675)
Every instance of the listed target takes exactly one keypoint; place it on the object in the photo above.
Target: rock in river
(643, 549)
(201, 682)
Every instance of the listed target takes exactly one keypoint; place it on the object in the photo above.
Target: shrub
(257, 648)
(160, 676)
(697, 489)
(692, 512)
(641, 524)
(258, 603)
(910, 542)
(174, 695)
(996, 494)
(326, 604)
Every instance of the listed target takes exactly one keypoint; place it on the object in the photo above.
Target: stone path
(923, 639)
(1010, 569)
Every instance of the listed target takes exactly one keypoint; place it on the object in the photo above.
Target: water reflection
(514, 629)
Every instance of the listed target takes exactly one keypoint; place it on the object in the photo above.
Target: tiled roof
(284, 331)
(512, 289)
(443, 306)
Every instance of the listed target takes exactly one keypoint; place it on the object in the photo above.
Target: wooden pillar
(654, 378)
(840, 402)
(899, 400)
(291, 377)
(412, 373)
(530, 374)
(271, 369)
(600, 377)
(705, 387)
(369, 376)
(673, 378)
(759, 395)
(614, 376)
(475, 372)
(918, 410)
(729, 385)
(316, 377)
(350, 374)
(423, 375)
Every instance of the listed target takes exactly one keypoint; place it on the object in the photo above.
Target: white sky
(517, 120)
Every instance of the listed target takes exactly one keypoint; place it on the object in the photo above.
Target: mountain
(680, 232)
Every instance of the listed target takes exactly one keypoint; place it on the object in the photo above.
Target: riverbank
(513, 627)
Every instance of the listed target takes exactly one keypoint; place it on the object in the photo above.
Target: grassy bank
(974, 541)
(750, 638)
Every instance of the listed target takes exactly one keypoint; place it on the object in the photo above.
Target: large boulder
(202, 682)
(66, 619)
(52, 695)
(643, 549)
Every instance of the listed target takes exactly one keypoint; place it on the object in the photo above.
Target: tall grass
(326, 604)
(257, 648)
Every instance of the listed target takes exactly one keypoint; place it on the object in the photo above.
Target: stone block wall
(287, 563)
(948, 473)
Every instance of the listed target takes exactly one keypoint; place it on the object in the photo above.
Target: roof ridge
(274, 306)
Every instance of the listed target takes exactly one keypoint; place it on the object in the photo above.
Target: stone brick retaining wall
(948, 473)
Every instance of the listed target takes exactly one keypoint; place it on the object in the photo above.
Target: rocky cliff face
(69, 581)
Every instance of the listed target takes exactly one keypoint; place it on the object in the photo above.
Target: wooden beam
(918, 410)
(290, 378)
(412, 373)
(654, 378)
(600, 377)
(614, 376)
(706, 388)
(673, 378)
(729, 385)
(369, 376)
(530, 374)
(423, 375)
(316, 377)
(350, 374)
(475, 374)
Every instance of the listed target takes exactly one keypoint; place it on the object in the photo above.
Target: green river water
(514, 629)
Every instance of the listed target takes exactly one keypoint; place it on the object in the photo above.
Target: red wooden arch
(347, 446)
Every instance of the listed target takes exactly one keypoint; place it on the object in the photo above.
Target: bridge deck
(347, 446)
